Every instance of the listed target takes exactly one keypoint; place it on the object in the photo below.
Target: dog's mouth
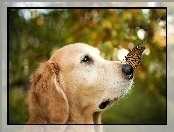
(106, 103)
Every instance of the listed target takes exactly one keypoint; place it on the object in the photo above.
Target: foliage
(33, 40)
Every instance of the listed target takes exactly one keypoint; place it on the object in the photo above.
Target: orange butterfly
(133, 58)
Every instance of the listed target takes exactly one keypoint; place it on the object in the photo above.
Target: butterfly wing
(134, 52)
(133, 58)
(138, 50)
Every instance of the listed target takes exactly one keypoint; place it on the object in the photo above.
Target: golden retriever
(75, 86)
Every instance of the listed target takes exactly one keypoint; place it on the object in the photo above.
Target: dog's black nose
(128, 71)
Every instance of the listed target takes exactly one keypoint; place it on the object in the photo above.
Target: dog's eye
(86, 59)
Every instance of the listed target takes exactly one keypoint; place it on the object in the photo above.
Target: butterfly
(133, 58)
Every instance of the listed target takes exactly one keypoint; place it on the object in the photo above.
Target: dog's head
(75, 85)
(89, 80)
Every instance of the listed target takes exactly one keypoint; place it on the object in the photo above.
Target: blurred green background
(34, 34)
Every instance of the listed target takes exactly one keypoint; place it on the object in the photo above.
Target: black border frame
(9, 8)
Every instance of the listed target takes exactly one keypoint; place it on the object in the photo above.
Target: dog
(75, 86)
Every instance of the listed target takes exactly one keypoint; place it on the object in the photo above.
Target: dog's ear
(47, 101)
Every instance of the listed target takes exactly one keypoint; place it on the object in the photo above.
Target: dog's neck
(85, 116)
